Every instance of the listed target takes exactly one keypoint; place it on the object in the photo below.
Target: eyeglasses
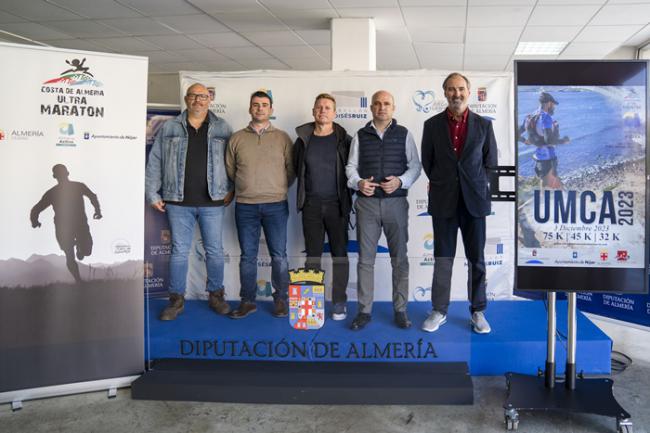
(198, 96)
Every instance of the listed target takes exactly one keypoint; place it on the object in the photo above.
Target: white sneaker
(480, 324)
(339, 312)
(433, 322)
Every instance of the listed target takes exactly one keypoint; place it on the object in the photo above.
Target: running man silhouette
(78, 67)
(70, 221)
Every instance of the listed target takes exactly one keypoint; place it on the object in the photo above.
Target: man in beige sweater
(259, 161)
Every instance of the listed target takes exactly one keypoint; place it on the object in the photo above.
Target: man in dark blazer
(458, 148)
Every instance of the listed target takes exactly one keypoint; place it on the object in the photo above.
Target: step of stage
(517, 342)
(306, 382)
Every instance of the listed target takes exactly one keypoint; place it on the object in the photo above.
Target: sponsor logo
(534, 253)
(123, 137)
(534, 262)
(423, 100)
(121, 246)
(422, 294)
(2, 134)
(482, 94)
(421, 206)
(351, 104)
(427, 244)
(66, 128)
(77, 74)
(86, 135)
(264, 288)
(20, 134)
(622, 255)
(165, 236)
(603, 255)
(574, 255)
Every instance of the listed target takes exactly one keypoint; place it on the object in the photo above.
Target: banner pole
(550, 342)
(570, 371)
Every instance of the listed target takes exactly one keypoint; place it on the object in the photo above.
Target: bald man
(382, 165)
(186, 178)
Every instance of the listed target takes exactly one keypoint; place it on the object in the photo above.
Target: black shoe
(402, 320)
(280, 308)
(360, 321)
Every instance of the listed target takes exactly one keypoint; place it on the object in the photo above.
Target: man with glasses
(259, 161)
(186, 178)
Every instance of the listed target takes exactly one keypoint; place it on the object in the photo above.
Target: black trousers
(320, 217)
(445, 233)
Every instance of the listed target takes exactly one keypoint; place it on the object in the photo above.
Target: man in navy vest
(458, 148)
(382, 165)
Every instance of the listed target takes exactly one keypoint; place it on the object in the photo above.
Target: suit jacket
(449, 174)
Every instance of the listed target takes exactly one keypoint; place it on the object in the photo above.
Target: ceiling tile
(216, 40)
(485, 63)
(79, 44)
(440, 56)
(501, 49)
(312, 19)
(396, 57)
(139, 26)
(226, 65)
(249, 21)
(393, 36)
(491, 34)
(409, 3)
(96, 9)
(172, 42)
(364, 3)
(273, 38)
(268, 63)
(37, 10)
(9, 18)
(293, 5)
(441, 16)
(124, 45)
(641, 37)
(496, 16)
(158, 56)
(34, 31)
(438, 34)
(211, 6)
(161, 8)
(175, 67)
(308, 63)
(573, 2)
(550, 33)
(244, 53)
(607, 33)
(291, 51)
(191, 24)
(84, 29)
(623, 14)
(562, 15)
(199, 55)
(316, 37)
(588, 50)
(501, 2)
(324, 50)
(385, 18)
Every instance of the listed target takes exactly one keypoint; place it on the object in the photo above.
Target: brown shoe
(217, 302)
(175, 307)
(280, 308)
(243, 310)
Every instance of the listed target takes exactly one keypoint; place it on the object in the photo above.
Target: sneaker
(360, 321)
(174, 308)
(434, 321)
(217, 302)
(280, 308)
(339, 312)
(480, 324)
(243, 310)
(402, 320)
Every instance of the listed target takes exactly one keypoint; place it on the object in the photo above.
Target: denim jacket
(165, 175)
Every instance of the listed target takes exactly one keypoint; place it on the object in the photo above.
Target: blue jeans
(250, 219)
(182, 220)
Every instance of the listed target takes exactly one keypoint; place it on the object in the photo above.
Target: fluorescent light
(539, 48)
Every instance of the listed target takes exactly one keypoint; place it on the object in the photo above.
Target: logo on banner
(86, 135)
(76, 75)
(66, 128)
(306, 298)
(121, 246)
(481, 92)
(622, 255)
(422, 294)
(603, 255)
(219, 108)
(2, 134)
(574, 255)
(20, 134)
(423, 100)
(427, 244)
(351, 104)
(66, 135)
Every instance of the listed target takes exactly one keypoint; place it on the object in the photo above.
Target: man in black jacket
(320, 155)
(458, 148)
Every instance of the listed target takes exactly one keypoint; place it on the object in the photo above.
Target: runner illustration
(70, 221)
(544, 132)
(78, 67)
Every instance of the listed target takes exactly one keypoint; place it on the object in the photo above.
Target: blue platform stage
(517, 342)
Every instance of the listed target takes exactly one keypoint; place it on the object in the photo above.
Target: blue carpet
(517, 342)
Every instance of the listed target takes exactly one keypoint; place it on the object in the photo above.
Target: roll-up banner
(418, 96)
(581, 176)
(72, 134)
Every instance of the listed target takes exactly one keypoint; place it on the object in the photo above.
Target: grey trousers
(373, 215)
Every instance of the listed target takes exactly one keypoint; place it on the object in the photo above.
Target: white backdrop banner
(72, 128)
(418, 96)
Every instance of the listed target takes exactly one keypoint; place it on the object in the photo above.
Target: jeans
(182, 220)
(320, 217)
(250, 219)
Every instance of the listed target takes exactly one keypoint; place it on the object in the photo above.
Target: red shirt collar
(450, 115)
